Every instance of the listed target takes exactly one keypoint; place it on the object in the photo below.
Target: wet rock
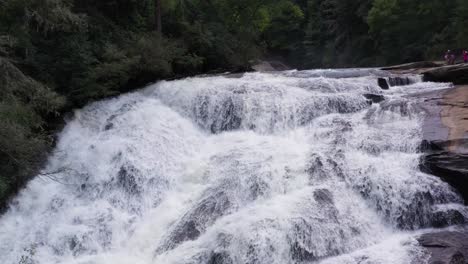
(457, 74)
(323, 196)
(382, 82)
(226, 116)
(402, 107)
(446, 247)
(417, 213)
(447, 218)
(229, 118)
(316, 168)
(306, 245)
(431, 145)
(374, 98)
(412, 65)
(399, 81)
(108, 126)
(220, 258)
(450, 167)
(386, 83)
(340, 106)
(126, 179)
(109, 123)
(301, 254)
(208, 210)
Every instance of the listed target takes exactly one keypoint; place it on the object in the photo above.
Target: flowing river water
(287, 167)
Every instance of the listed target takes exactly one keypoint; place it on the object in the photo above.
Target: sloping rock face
(446, 247)
(451, 167)
(457, 74)
(413, 65)
(446, 138)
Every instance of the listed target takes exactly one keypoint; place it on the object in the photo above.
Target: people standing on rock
(448, 57)
(465, 56)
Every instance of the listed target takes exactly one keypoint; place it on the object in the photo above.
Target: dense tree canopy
(56, 55)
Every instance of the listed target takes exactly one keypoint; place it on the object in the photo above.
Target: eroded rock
(374, 98)
(446, 247)
(450, 167)
(412, 65)
(457, 74)
(382, 82)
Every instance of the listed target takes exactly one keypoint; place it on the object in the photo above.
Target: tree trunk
(157, 15)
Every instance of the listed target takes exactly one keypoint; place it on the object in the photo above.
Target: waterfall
(286, 167)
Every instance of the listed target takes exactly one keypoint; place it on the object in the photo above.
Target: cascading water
(290, 167)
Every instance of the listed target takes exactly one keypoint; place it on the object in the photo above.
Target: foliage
(23, 104)
(408, 26)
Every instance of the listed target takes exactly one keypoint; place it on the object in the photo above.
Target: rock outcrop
(451, 167)
(457, 74)
(446, 134)
(413, 65)
(386, 83)
(382, 82)
(446, 247)
(374, 98)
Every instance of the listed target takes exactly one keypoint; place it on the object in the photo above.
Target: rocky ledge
(447, 247)
(434, 71)
(445, 146)
(451, 167)
(446, 137)
(457, 74)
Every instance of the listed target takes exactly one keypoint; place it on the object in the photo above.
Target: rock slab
(413, 65)
(450, 167)
(457, 74)
(446, 247)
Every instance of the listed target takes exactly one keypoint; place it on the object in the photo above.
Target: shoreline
(445, 148)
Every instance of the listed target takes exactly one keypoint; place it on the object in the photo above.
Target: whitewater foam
(289, 167)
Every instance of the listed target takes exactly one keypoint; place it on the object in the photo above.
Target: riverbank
(434, 71)
(445, 133)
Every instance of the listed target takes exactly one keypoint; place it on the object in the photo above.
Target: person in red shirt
(465, 56)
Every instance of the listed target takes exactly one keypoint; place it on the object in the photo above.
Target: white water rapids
(269, 168)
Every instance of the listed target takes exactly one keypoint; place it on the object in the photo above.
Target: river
(285, 167)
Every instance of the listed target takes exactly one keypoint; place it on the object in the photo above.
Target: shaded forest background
(56, 55)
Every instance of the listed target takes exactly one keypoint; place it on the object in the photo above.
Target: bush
(24, 106)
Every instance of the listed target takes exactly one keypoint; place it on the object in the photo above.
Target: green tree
(283, 31)
(461, 24)
(406, 30)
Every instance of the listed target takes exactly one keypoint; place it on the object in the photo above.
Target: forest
(58, 55)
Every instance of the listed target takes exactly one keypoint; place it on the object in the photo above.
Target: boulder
(457, 74)
(382, 82)
(399, 81)
(450, 167)
(374, 98)
(386, 83)
(446, 247)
